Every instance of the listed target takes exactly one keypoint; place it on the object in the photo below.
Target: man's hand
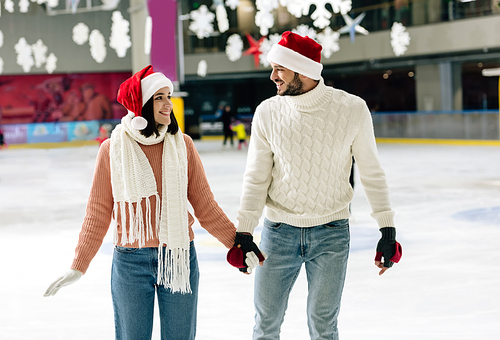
(389, 249)
(245, 255)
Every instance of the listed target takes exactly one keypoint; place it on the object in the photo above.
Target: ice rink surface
(447, 285)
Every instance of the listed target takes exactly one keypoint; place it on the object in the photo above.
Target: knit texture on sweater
(300, 157)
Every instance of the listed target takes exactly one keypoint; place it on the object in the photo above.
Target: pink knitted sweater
(100, 204)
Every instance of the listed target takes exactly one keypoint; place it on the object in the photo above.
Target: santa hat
(297, 53)
(136, 91)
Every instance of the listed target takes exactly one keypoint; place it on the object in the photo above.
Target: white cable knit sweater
(300, 156)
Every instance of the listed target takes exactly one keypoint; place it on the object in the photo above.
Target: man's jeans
(324, 250)
(133, 288)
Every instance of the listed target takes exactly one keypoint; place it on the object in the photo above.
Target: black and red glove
(388, 247)
(245, 255)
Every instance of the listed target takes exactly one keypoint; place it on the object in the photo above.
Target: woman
(145, 174)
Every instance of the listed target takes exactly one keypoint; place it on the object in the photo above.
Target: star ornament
(254, 48)
(352, 26)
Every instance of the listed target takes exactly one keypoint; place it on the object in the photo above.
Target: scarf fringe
(138, 231)
(173, 269)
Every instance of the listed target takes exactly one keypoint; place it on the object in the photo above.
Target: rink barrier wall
(480, 128)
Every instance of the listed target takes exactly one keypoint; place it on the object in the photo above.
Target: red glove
(240, 254)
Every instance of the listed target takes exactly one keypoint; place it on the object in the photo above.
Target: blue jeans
(133, 288)
(324, 250)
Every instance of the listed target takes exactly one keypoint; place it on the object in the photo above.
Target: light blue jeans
(133, 289)
(324, 250)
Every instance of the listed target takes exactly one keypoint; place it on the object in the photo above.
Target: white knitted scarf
(133, 181)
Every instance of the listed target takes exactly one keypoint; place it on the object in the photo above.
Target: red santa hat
(297, 53)
(136, 91)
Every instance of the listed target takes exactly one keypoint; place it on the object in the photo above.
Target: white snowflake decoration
(80, 33)
(9, 6)
(1, 38)
(329, 40)
(202, 68)
(264, 18)
(50, 3)
(119, 39)
(110, 5)
(39, 53)
(400, 39)
(24, 57)
(97, 46)
(148, 35)
(1, 65)
(202, 22)
(304, 31)
(233, 4)
(222, 20)
(265, 47)
(23, 6)
(234, 47)
(51, 64)
(321, 15)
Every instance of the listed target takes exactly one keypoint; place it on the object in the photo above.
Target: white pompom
(139, 123)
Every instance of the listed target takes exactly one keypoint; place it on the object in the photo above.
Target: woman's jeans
(324, 250)
(133, 288)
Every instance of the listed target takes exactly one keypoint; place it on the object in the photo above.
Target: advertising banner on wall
(60, 98)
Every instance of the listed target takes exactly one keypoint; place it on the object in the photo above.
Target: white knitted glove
(70, 277)
(252, 260)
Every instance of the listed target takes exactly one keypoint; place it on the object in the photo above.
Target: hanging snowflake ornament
(110, 5)
(329, 40)
(51, 64)
(39, 52)
(305, 31)
(80, 33)
(202, 22)
(9, 6)
(321, 15)
(23, 6)
(222, 21)
(400, 39)
(265, 47)
(119, 39)
(233, 4)
(97, 46)
(24, 55)
(202, 68)
(264, 18)
(234, 47)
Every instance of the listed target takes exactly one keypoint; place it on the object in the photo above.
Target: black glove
(237, 255)
(388, 247)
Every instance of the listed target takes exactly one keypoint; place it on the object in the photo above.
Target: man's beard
(294, 88)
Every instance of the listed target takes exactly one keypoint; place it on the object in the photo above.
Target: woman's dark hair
(148, 113)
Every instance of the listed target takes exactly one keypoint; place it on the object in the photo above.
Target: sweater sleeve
(257, 177)
(371, 174)
(206, 209)
(98, 213)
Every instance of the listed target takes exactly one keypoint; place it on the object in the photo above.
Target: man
(299, 162)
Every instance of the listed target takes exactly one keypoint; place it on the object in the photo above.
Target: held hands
(245, 254)
(70, 277)
(388, 248)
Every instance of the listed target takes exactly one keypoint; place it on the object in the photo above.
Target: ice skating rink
(447, 285)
